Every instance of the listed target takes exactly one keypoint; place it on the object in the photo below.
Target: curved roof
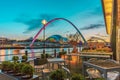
(57, 38)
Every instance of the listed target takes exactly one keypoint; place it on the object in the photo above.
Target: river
(7, 54)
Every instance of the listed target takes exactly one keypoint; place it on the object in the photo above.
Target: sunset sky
(21, 19)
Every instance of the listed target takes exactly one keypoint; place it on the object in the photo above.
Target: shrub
(16, 67)
(100, 79)
(62, 53)
(11, 66)
(20, 66)
(77, 77)
(27, 70)
(15, 58)
(5, 65)
(0, 66)
(43, 56)
(57, 75)
(47, 55)
(24, 58)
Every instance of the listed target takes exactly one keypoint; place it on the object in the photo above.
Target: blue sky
(20, 19)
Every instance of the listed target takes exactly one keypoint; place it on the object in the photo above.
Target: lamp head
(44, 22)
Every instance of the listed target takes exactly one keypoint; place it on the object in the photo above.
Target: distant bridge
(23, 45)
(35, 37)
(97, 38)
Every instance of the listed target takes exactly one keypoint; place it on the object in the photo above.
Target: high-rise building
(111, 9)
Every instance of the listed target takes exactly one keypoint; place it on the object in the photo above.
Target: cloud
(92, 26)
(34, 24)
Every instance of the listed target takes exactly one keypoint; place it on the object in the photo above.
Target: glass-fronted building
(111, 9)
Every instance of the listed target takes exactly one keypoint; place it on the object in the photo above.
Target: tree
(74, 40)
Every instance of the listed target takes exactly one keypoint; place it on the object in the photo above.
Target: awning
(108, 10)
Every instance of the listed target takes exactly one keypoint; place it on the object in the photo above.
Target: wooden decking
(5, 77)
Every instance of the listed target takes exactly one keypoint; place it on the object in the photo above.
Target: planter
(17, 69)
(27, 76)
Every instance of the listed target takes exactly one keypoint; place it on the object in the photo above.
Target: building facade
(111, 9)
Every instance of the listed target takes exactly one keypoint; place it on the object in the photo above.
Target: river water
(7, 54)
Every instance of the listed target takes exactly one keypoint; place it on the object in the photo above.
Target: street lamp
(44, 22)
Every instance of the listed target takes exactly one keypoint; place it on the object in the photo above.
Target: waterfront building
(111, 9)
(5, 42)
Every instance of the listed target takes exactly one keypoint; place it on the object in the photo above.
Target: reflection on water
(16, 51)
(2, 52)
(7, 54)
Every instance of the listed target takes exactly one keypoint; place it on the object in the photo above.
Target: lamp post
(44, 22)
